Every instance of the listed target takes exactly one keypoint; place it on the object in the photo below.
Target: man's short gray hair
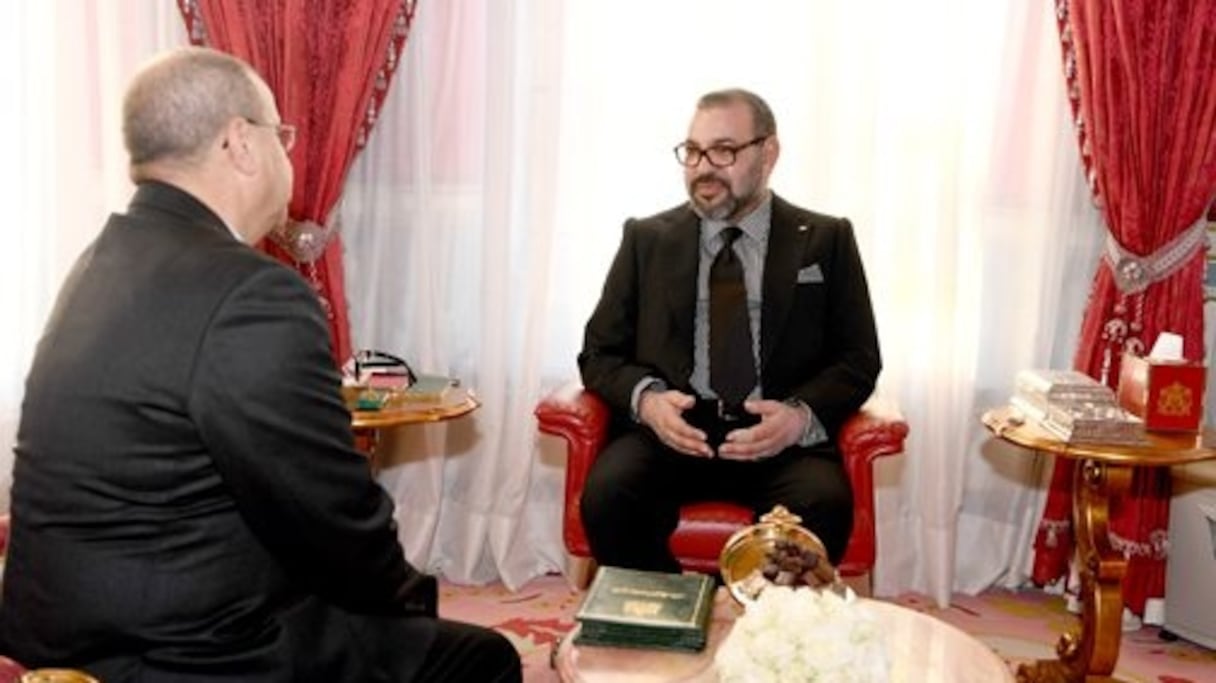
(179, 103)
(762, 116)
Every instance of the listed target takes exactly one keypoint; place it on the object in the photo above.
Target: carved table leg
(1090, 655)
(367, 440)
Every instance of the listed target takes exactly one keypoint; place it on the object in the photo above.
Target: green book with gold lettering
(641, 609)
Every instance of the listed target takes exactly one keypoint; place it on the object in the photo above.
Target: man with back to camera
(728, 369)
(187, 502)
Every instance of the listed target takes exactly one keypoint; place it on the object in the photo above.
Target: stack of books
(1043, 387)
(1075, 408)
(641, 609)
(429, 389)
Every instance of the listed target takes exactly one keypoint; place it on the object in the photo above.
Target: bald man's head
(181, 101)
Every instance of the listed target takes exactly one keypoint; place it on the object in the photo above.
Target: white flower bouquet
(790, 634)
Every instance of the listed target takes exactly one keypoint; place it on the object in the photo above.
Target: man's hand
(781, 426)
(663, 412)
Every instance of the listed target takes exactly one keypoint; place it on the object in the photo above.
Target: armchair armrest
(877, 429)
(10, 670)
(581, 418)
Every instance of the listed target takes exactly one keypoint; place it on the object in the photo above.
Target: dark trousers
(464, 652)
(632, 498)
(336, 645)
(323, 644)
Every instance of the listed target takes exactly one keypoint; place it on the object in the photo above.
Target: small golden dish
(776, 551)
(56, 676)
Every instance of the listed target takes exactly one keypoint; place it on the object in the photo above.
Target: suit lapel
(786, 238)
(681, 250)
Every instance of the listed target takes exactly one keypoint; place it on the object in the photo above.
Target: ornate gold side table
(456, 402)
(1102, 472)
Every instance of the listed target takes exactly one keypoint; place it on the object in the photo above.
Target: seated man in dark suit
(733, 337)
(188, 503)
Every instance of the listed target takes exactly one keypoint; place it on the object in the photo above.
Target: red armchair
(581, 418)
(10, 671)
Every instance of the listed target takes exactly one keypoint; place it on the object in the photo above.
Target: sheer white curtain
(482, 216)
(63, 69)
(986, 260)
(449, 228)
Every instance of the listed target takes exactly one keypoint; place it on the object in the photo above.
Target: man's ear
(237, 146)
(772, 150)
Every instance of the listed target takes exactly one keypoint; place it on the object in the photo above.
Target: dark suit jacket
(817, 338)
(187, 502)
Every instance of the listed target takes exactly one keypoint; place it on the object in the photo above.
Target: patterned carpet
(1018, 625)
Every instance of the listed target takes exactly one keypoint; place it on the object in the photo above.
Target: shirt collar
(755, 224)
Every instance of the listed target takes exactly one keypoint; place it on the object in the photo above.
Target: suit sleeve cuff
(635, 399)
(814, 433)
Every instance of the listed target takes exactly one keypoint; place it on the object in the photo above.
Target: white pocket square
(811, 273)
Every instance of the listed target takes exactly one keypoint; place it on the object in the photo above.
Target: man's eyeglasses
(284, 131)
(720, 155)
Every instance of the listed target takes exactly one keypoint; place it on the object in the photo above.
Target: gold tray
(746, 553)
(56, 676)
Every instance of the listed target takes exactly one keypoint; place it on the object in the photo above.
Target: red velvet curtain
(329, 64)
(1142, 79)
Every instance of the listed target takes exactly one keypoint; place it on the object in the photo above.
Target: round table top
(920, 647)
(1160, 448)
(455, 402)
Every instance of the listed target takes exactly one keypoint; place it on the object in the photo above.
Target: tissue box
(1166, 394)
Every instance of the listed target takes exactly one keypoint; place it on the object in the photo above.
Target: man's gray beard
(721, 213)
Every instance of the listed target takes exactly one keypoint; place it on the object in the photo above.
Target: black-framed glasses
(720, 155)
(285, 132)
